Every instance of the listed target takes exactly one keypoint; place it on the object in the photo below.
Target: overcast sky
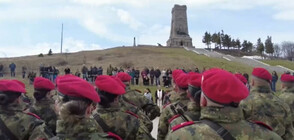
(29, 27)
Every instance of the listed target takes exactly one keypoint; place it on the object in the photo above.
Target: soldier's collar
(222, 114)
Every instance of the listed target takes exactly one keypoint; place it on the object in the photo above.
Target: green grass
(284, 63)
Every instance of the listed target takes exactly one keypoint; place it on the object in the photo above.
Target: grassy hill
(284, 63)
(121, 56)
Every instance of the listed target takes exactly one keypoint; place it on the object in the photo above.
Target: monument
(179, 34)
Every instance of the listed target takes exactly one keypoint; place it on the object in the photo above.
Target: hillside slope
(120, 56)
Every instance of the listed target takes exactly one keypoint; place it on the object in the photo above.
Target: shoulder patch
(112, 135)
(166, 105)
(138, 90)
(34, 115)
(182, 125)
(133, 114)
(174, 117)
(263, 125)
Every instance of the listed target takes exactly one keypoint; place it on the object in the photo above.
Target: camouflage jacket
(192, 114)
(124, 124)
(22, 125)
(229, 118)
(168, 113)
(141, 102)
(262, 105)
(287, 95)
(45, 109)
(144, 119)
(174, 96)
(85, 129)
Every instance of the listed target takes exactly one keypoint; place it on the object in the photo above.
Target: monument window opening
(182, 43)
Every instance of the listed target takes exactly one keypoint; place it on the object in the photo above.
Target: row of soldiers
(217, 105)
(75, 109)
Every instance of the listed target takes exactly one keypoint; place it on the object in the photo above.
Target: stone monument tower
(179, 34)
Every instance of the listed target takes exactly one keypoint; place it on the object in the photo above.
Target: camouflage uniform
(45, 109)
(127, 126)
(262, 105)
(144, 120)
(173, 96)
(229, 118)
(22, 125)
(85, 129)
(192, 114)
(168, 113)
(141, 102)
(288, 97)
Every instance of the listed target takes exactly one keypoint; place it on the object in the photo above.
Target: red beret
(195, 79)
(11, 85)
(76, 87)
(262, 73)
(241, 77)
(124, 76)
(176, 72)
(119, 81)
(109, 84)
(64, 77)
(20, 83)
(223, 87)
(43, 83)
(182, 80)
(287, 78)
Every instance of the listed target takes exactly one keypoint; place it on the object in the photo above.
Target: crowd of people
(214, 104)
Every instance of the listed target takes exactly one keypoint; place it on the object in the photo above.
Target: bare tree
(288, 49)
(277, 50)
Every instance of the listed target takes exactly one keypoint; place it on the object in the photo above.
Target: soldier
(138, 99)
(288, 91)
(109, 115)
(263, 105)
(75, 104)
(173, 95)
(14, 123)
(221, 118)
(169, 112)
(44, 102)
(193, 107)
(125, 106)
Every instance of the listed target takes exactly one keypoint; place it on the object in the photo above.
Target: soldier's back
(241, 130)
(85, 129)
(120, 123)
(23, 126)
(288, 97)
(45, 110)
(269, 109)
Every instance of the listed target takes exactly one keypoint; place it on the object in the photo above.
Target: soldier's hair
(72, 110)
(8, 97)
(106, 98)
(40, 93)
(288, 85)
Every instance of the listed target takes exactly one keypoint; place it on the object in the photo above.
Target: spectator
(148, 95)
(109, 70)
(55, 73)
(247, 78)
(121, 69)
(132, 74)
(137, 76)
(168, 77)
(159, 94)
(67, 70)
(152, 73)
(32, 76)
(1, 70)
(157, 76)
(114, 71)
(85, 72)
(12, 67)
(100, 71)
(274, 80)
(23, 69)
(78, 74)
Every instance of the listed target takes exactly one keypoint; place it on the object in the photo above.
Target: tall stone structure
(179, 34)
